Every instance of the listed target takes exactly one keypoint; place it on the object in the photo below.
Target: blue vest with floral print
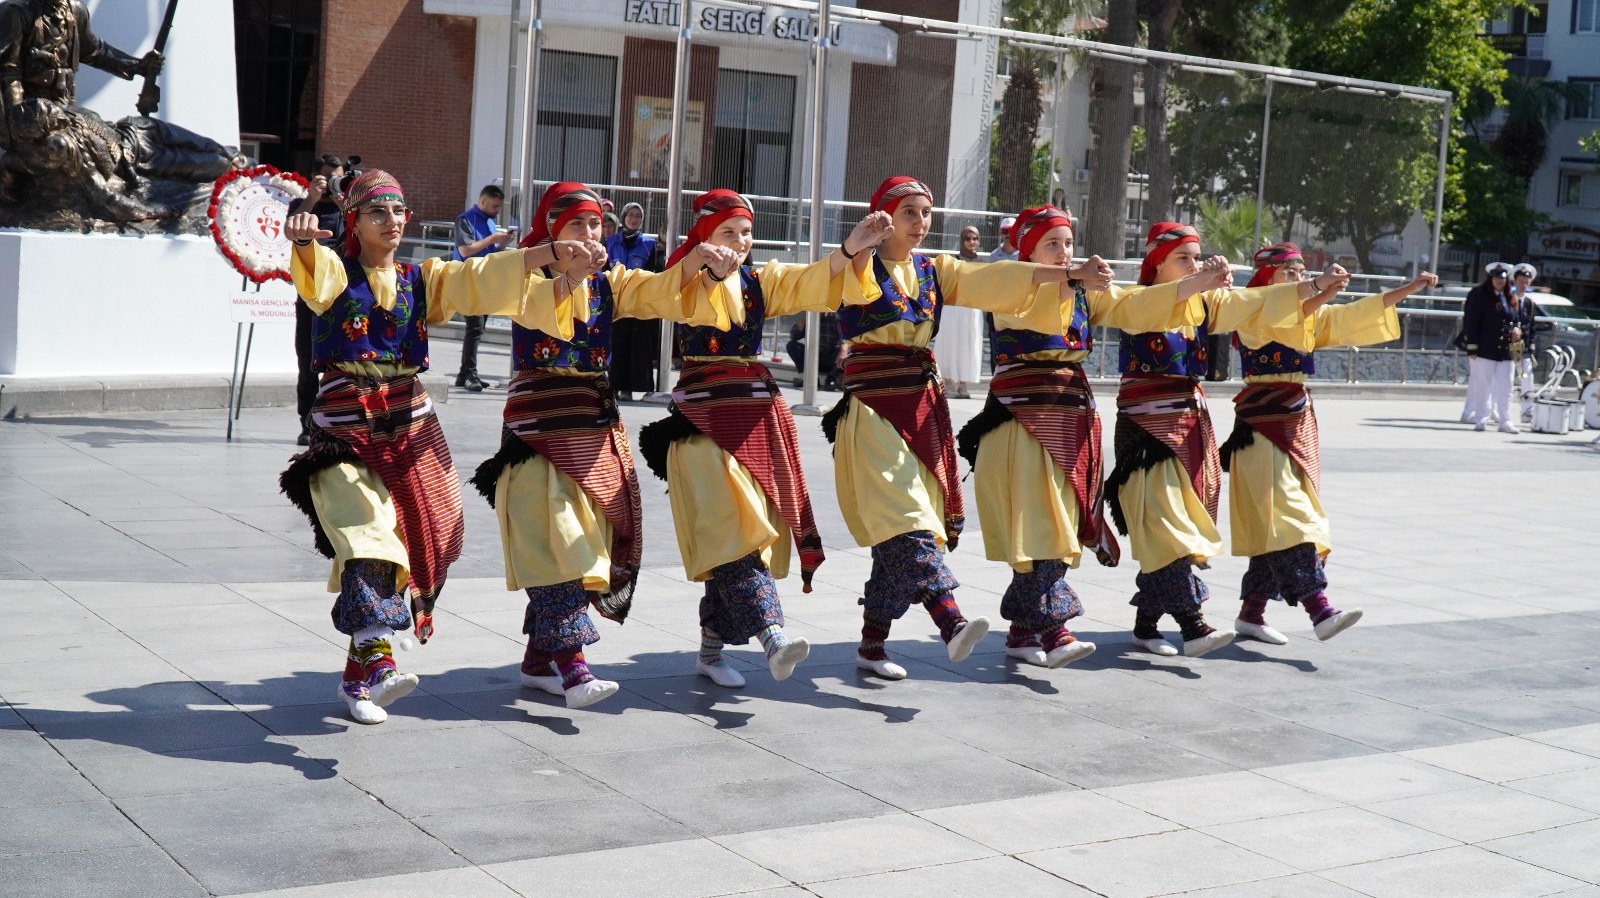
(590, 346)
(356, 329)
(737, 340)
(894, 305)
(1274, 358)
(1165, 353)
(1005, 344)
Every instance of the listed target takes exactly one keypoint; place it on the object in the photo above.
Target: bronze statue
(63, 167)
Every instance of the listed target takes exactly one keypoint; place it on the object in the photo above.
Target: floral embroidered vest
(1273, 358)
(740, 339)
(894, 305)
(1005, 344)
(590, 346)
(356, 329)
(1167, 353)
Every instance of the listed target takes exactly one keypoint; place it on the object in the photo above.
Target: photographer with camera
(322, 200)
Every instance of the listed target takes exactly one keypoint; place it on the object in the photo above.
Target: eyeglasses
(379, 214)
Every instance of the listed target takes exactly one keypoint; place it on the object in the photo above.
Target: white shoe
(1028, 654)
(1259, 632)
(550, 683)
(967, 638)
(1466, 418)
(1156, 646)
(721, 673)
(1334, 624)
(886, 669)
(393, 688)
(1062, 655)
(1480, 427)
(1510, 428)
(1216, 639)
(363, 710)
(585, 694)
(783, 662)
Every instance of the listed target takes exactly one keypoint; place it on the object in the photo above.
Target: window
(1525, 21)
(1572, 191)
(1587, 107)
(1586, 17)
(754, 132)
(276, 46)
(577, 94)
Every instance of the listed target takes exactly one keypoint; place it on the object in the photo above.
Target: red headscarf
(893, 190)
(562, 202)
(1033, 224)
(711, 209)
(1164, 237)
(1269, 259)
(374, 185)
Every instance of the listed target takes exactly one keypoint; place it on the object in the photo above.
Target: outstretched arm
(96, 53)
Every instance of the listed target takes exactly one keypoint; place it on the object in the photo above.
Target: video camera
(341, 184)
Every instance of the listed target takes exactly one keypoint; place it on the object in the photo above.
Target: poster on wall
(650, 155)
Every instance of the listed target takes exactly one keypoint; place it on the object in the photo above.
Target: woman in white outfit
(1494, 289)
(1489, 326)
(959, 343)
(1522, 278)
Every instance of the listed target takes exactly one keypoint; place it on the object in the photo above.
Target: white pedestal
(96, 305)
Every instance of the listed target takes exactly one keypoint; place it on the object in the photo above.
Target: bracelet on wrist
(302, 243)
(847, 253)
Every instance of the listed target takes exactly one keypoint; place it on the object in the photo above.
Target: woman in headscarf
(959, 343)
(563, 484)
(894, 453)
(1035, 448)
(1165, 488)
(729, 452)
(377, 482)
(1487, 318)
(635, 342)
(1274, 500)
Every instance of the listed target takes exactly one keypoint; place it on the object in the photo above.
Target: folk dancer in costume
(729, 452)
(1522, 278)
(894, 452)
(1035, 447)
(377, 481)
(1487, 318)
(563, 484)
(1274, 499)
(1165, 488)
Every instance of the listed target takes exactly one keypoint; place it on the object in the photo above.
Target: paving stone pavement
(169, 726)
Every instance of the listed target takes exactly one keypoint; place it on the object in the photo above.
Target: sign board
(275, 302)
(779, 24)
(1575, 242)
(650, 156)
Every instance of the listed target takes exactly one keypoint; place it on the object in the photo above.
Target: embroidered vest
(1165, 353)
(894, 305)
(590, 346)
(1273, 358)
(740, 340)
(356, 329)
(1006, 344)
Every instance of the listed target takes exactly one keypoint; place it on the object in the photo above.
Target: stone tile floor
(168, 724)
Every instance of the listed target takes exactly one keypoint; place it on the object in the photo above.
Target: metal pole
(1261, 175)
(819, 111)
(244, 372)
(233, 378)
(1438, 196)
(680, 108)
(530, 114)
(509, 162)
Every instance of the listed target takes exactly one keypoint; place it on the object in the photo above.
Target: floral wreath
(247, 212)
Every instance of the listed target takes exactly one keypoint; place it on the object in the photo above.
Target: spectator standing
(477, 234)
(1490, 324)
(1005, 252)
(1522, 278)
(635, 343)
(322, 200)
(959, 343)
(830, 351)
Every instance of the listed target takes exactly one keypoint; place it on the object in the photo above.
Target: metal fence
(805, 106)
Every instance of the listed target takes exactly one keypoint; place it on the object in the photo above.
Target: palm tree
(1533, 107)
(1022, 104)
(1231, 229)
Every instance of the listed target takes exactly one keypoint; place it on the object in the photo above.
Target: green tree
(1037, 190)
(1230, 228)
(1533, 108)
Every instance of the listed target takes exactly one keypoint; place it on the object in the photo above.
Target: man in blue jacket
(477, 235)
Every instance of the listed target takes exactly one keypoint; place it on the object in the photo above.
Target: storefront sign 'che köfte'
(753, 22)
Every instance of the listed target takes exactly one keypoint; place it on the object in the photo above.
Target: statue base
(100, 305)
